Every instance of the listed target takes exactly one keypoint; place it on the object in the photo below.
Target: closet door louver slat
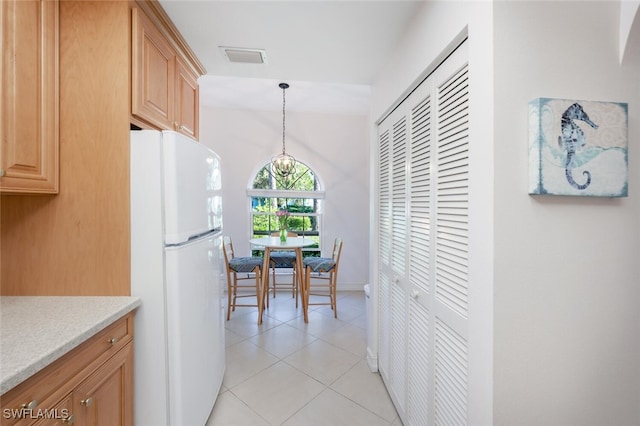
(452, 193)
(384, 324)
(398, 359)
(450, 377)
(420, 195)
(384, 224)
(418, 366)
(399, 196)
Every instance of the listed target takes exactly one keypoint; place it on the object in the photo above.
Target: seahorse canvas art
(578, 148)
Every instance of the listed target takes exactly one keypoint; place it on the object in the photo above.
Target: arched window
(300, 194)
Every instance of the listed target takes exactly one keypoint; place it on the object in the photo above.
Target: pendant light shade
(283, 164)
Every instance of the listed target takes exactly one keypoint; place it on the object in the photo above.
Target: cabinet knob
(415, 294)
(113, 340)
(175, 125)
(30, 405)
(87, 402)
(69, 420)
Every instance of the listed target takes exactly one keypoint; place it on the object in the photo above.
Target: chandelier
(283, 164)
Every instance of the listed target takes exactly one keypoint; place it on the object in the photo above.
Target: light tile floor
(286, 372)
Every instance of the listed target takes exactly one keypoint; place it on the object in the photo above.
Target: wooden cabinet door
(29, 110)
(187, 100)
(106, 397)
(152, 73)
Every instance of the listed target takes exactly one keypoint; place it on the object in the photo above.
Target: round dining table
(274, 243)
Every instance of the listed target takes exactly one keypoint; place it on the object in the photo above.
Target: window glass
(299, 194)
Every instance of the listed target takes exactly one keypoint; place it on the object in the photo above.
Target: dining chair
(325, 280)
(284, 259)
(236, 267)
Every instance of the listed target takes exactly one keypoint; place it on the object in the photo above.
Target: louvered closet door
(398, 353)
(451, 307)
(420, 351)
(393, 259)
(384, 251)
(423, 233)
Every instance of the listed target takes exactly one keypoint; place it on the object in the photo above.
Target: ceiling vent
(246, 56)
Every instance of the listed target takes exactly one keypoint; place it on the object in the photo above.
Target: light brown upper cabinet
(29, 104)
(186, 100)
(164, 87)
(78, 242)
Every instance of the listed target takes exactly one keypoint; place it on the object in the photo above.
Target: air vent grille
(246, 56)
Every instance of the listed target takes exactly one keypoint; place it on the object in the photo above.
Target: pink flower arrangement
(283, 218)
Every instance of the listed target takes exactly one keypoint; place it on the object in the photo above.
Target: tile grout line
(323, 335)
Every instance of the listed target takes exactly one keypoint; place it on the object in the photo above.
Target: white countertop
(37, 330)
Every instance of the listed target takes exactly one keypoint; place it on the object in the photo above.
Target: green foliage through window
(305, 212)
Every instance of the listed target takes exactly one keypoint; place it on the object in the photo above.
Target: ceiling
(328, 51)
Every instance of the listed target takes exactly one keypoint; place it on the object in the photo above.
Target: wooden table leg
(264, 287)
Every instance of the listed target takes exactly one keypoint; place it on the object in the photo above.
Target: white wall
(335, 146)
(567, 272)
(555, 281)
(628, 11)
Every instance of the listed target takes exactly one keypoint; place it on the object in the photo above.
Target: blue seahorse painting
(578, 148)
(572, 139)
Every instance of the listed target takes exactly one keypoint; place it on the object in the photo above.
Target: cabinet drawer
(43, 389)
(58, 412)
(61, 414)
(105, 343)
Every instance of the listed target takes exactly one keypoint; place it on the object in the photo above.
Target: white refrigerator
(177, 271)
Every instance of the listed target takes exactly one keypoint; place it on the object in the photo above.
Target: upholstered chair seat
(240, 269)
(325, 280)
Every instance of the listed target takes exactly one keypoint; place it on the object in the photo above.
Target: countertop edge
(28, 371)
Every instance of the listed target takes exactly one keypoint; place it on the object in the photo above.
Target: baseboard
(349, 287)
(372, 360)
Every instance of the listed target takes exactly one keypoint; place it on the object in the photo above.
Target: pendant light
(283, 164)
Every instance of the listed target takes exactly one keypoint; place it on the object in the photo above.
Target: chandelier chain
(283, 118)
(284, 165)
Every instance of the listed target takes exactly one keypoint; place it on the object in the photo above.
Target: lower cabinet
(102, 399)
(91, 385)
